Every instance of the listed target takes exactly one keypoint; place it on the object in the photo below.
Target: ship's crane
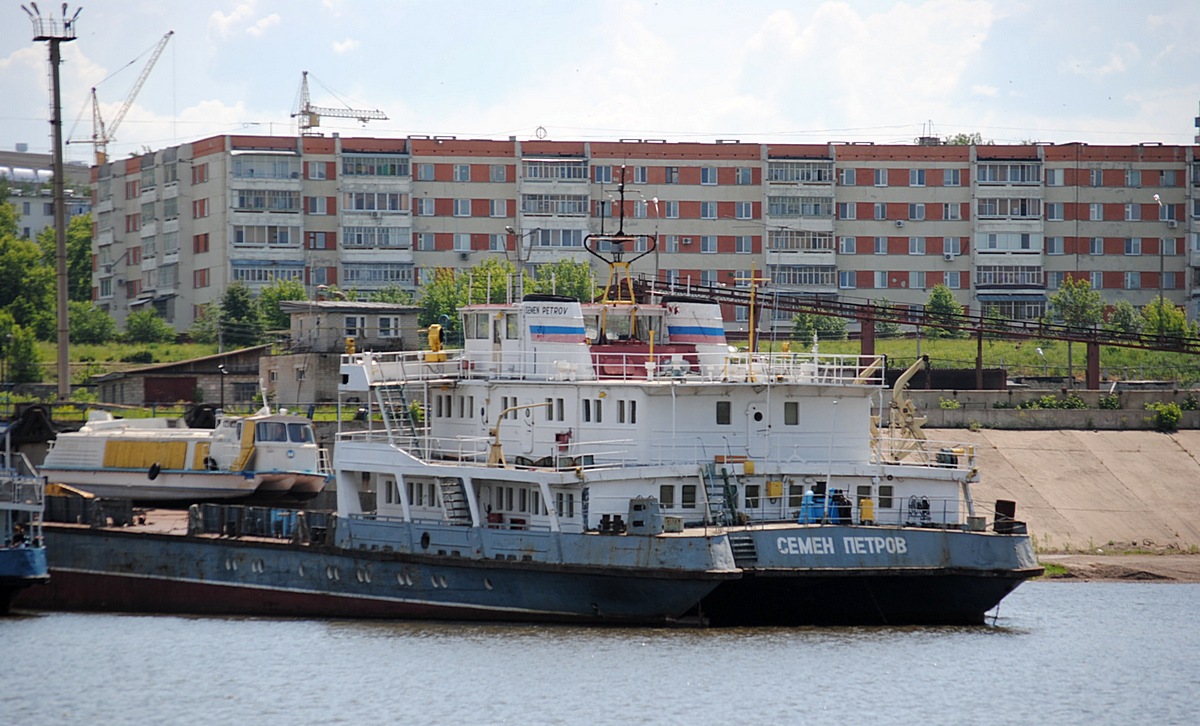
(101, 134)
(309, 116)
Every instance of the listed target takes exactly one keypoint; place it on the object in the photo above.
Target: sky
(1058, 71)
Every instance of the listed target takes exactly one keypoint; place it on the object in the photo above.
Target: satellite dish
(540, 132)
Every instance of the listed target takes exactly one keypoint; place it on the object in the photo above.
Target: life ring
(155, 470)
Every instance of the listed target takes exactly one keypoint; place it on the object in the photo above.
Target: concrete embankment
(1089, 490)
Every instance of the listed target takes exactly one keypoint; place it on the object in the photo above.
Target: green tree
(449, 290)
(826, 327)
(20, 350)
(1076, 304)
(79, 256)
(886, 329)
(565, 277)
(27, 285)
(90, 324)
(1124, 318)
(8, 212)
(963, 139)
(393, 294)
(273, 318)
(239, 324)
(943, 309)
(1161, 317)
(204, 328)
(145, 326)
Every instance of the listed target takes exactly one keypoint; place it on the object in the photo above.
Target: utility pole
(57, 32)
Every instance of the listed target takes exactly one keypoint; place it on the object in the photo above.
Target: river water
(1058, 653)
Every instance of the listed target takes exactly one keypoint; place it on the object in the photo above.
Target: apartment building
(30, 177)
(1001, 226)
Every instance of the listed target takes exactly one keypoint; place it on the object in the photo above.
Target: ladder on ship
(454, 501)
(394, 404)
(745, 552)
(717, 493)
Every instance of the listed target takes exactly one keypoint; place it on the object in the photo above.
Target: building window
(200, 243)
(425, 172)
(708, 244)
(1054, 280)
(916, 212)
(200, 173)
(1096, 246)
(708, 210)
(744, 244)
(496, 243)
(462, 207)
(672, 210)
(462, 172)
(846, 279)
(916, 280)
(386, 165)
(953, 279)
(200, 278)
(424, 207)
(881, 177)
(952, 211)
(317, 205)
(1133, 280)
(1054, 177)
(881, 279)
(744, 210)
(639, 175)
(916, 177)
(847, 245)
(199, 209)
(1133, 246)
(462, 242)
(1096, 177)
(1133, 212)
(916, 245)
(1133, 178)
(1096, 279)
(672, 175)
(497, 173)
(881, 246)
(1096, 212)
(845, 210)
(1054, 246)
(1054, 211)
(425, 241)
(847, 177)
(708, 175)
(498, 207)
(952, 178)
(602, 174)
(880, 210)
(744, 175)
(1169, 246)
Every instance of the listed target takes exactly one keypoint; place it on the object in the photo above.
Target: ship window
(753, 492)
(523, 503)
(724, 417)
(271, 431)
(299, 433)
(795, 495)
(885, 496)
(510, 321)
(791, 413)
(689, 496)
(666, 496)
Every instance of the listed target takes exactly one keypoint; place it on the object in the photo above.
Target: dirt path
(1163, 568)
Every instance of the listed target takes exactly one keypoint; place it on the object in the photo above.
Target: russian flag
(556, 333)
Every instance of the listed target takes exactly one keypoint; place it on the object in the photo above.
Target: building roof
(349, 306)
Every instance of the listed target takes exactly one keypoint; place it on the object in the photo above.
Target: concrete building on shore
(1001, 226)
(29, 179)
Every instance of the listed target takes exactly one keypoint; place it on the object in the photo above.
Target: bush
(1110, 402)
(145, 326)
(1190, 403)
(1051, 401)
(949, 403)
(1166, 415)
(139, 356)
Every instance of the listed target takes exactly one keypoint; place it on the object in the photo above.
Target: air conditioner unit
(1172, 223)
(687, 240)
(464, 255)
(949, 256)
(120, 281)
(899, 222)
(107, 269)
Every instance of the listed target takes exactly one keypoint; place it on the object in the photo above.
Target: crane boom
(308, 115)
(102, 135)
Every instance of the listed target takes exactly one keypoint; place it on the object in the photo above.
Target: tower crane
(309, 116)
(101, 134)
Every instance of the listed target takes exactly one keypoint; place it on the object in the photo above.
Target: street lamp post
(56, 32)
(523, 248)
(1160, 274)
(224, 373)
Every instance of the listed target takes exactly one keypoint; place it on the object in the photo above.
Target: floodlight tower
(57, 31)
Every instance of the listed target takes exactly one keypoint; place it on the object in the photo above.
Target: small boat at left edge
(22, 547)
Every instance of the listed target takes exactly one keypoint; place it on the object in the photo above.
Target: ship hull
(186, 485)
(851, 574)
(107, 570)
(20, 568)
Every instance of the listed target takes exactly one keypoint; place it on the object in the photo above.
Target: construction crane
(309, 116)
(101, 134)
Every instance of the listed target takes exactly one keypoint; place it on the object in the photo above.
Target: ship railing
(924, 453)
(19, 482)
(894, 511)
(391, 367)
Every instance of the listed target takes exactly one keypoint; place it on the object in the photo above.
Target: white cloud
(345, 46)
(1119, 60)
(980, 89)
(260, 26)
(225, 24)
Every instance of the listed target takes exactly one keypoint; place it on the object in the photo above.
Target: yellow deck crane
(102, 134)
(309, 116)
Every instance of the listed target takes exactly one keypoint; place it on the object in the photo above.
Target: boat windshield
(271, 431)
(299, 433)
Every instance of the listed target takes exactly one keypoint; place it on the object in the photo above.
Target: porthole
(443, 580)
(300, 570)
(408, 580)
(332, 572)
(363, 575)
(425, 540)
(400, 579)
(433, 580)
(487, 583)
